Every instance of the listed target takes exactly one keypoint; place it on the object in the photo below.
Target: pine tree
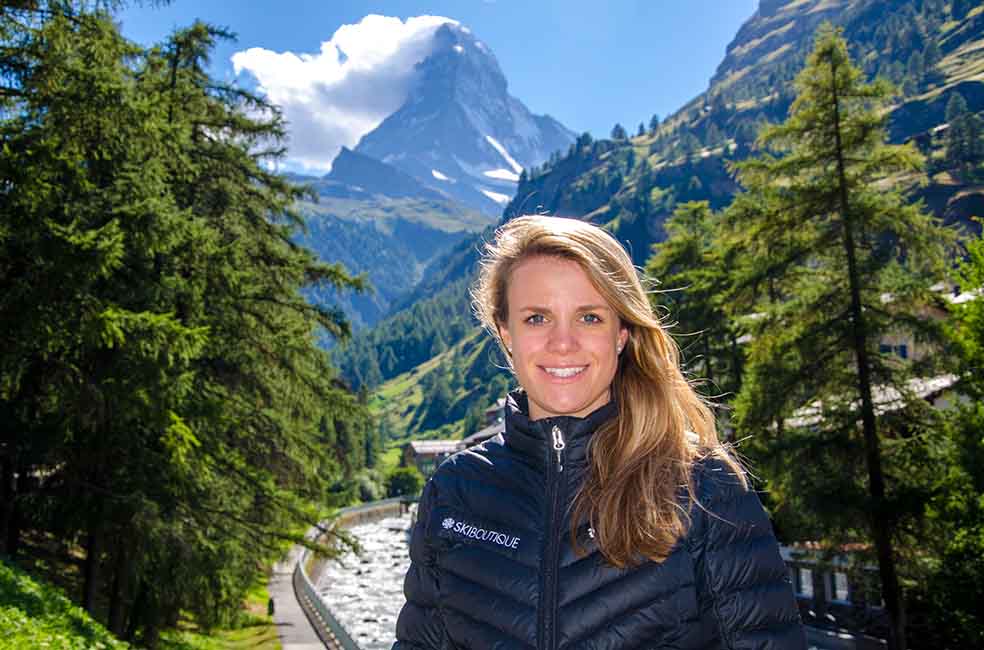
(618, 132)
(838, 247)
(654, 123)
(694, 282)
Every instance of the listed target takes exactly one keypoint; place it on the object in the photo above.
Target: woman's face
(563, 335)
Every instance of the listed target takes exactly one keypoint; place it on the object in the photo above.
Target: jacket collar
(533, 438)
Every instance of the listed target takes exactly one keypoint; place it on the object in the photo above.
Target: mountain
(631, 185)
(431, 174)
(460, 132)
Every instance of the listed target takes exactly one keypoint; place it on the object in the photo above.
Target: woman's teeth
(565, 372)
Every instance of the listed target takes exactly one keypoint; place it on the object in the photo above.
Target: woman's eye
(535, 319)
(591, 318)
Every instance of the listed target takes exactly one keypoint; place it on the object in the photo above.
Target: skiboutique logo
(474, 532)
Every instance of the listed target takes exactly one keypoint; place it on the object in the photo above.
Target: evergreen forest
(169, 425)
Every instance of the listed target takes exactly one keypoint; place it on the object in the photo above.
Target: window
(884, 348)
(804, 583)
(837, 586)
(903, 350)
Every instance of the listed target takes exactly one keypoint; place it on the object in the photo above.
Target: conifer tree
(849, 261)
(693, 283)
(618, 132)
(654, 123)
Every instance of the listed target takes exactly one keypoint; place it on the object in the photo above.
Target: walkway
(293, 626)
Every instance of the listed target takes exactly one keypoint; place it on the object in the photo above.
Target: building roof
(482, 435)
(886, 398)
(433, 447)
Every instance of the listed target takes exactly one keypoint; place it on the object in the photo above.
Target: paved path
(293, 626)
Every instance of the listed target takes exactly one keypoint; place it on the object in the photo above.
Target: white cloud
(334, 97)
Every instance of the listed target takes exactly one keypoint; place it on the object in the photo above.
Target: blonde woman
(607, 515)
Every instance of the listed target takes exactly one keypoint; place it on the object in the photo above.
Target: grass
(390, 459)
(257, 632)
(34, 614)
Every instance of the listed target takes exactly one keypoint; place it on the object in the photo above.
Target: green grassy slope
(35, 615)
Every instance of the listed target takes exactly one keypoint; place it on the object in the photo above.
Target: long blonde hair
(642, 458)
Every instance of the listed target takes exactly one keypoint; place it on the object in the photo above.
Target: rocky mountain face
(460, 132)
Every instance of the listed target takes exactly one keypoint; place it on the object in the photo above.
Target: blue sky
(585, 62)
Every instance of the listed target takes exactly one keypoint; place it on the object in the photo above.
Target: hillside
(391, 240)
(632, 184)
(35, 615)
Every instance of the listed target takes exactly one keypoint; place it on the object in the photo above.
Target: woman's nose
(562, 339)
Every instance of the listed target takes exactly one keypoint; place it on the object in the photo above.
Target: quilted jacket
(492, 564)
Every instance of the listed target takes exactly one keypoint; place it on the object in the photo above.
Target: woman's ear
(623, 338)
(505, 336)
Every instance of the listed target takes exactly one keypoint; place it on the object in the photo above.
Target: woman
(607, 515)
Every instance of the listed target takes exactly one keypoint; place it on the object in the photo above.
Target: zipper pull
(558, 445)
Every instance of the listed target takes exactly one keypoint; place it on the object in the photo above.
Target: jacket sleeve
(742, 579)
(419, 626)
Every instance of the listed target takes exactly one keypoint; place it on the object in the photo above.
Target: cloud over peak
(330, 99)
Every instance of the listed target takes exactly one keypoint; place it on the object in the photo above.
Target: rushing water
(366, 593)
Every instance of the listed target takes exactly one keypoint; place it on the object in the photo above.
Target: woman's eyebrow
(547, 310)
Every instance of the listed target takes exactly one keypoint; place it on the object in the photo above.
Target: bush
(368, 486)
(404, 481)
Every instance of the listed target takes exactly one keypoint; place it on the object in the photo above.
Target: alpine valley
(631, 182)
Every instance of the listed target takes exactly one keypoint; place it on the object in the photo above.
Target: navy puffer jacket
(492, 564)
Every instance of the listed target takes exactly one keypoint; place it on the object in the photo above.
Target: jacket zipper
(551, 553)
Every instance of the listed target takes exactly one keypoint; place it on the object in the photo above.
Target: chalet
(426, 455)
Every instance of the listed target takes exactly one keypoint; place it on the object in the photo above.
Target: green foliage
(159, 366)
(693, 276)
(964, 136)
(404, 482)
(35, 615)
(945, 608)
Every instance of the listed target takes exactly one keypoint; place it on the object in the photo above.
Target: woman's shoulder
(716, 475)
(470, 466)
(727, 509)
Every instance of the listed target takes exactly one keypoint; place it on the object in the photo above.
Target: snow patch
(439, 176)
(503, 175)
(501, 199)
(505, 154)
